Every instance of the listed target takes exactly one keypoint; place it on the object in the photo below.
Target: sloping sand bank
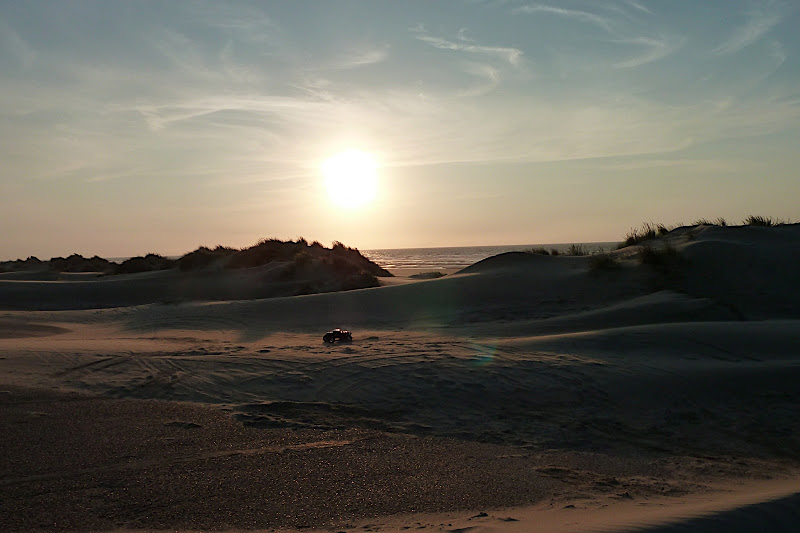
(524, 381)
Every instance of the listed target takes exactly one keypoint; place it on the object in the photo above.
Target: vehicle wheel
(349, 338)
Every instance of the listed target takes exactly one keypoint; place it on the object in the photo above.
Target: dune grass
(203, 257)
(768, 222)
(650, 230)
(539, 251)
(428, 275)
(603, 262)
(645, 232)
(577, 250)
(148, 263)
(656, 256)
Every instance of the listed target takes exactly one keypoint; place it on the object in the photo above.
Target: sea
(463, 256)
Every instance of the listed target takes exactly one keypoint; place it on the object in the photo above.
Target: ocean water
(462, 256)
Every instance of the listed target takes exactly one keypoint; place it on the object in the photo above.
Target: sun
(351, 178)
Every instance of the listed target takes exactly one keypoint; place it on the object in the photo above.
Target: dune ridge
(269, 269)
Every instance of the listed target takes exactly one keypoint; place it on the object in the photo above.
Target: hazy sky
(129, 127)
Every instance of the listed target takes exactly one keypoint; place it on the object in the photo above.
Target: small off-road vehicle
(341, 335)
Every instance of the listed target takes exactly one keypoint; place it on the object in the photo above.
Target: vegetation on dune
(31, 263)
(650, 230)
(203, 257)
(427, 275)
(647, 231)
(319, 268)
(544, 251)
(148, 263)
(339, 258)
(603, 262)
(78, 263)
(538, 251)
(276, 268)
(757, 220)
(574, 249)
(706, 222)
(659, 253)
(577, 250)
(663, 258)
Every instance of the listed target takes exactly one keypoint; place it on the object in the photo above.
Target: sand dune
(580, 388)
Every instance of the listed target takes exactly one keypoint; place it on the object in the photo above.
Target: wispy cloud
(21, 51)
(361, 58)
(654, 49)
(706, 165)
(509, 54)
(575, 14)
(280, 107)
(489, 75)
(638, 6)
(761, 18)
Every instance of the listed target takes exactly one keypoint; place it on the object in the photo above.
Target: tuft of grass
(645, 232)
(539, 251)
(577, 249)
(427, 275)
(649, 230)
(603, 263)
(664, 259)
(757, 220)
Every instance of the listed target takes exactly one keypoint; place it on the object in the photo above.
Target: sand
(524, 393)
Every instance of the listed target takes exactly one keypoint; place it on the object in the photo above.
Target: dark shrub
(603, 262)
(202, 257)
(148, 263)
(647, 231)
(78, 263)
(756, 220)
(538, 251)
(664, 259)
(577, 249)
(427, 275)
(265, 251)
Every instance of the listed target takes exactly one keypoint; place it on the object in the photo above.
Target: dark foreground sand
(77, 462)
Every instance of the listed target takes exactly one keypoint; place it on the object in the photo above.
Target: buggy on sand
(341, 335)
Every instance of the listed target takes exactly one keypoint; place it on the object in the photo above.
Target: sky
(130, 127)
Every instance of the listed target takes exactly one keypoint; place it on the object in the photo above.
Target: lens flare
(484, 354)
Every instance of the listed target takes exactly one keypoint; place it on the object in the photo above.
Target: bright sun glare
(351, 178)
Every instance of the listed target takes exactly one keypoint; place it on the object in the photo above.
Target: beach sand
(525, 393)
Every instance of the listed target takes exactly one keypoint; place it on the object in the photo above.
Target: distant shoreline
(458, 257)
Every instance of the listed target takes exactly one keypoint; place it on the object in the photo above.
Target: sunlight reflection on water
(461, 257)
